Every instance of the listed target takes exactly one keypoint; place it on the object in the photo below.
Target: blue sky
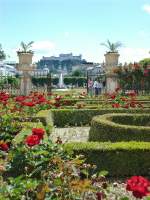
(77, 26)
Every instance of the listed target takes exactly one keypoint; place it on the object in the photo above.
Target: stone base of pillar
(26, 84)
(111, 83)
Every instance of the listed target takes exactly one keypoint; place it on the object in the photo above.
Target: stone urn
(25, 58)
(111, 60)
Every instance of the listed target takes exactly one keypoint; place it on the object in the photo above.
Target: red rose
(132, 93)
(113, 96)
(32, 140)
(39, 132)
(126, 106)
(20, 98)
(139, 186)
(30, 104)
(4, 146)
(116, 105)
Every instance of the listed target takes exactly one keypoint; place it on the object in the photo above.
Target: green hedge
(78, 117)
(130, 119)
(104, 129)
(119, 159)
(75, 80)
(41, 81)
(45, 116)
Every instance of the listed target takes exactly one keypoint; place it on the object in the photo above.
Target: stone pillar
(111, 61)
(26, 67)
(111, 82)
(26, 84)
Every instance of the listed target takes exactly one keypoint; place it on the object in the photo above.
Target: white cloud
(146, 8)
(126, 55)
(43, 45)
(133, 54)
(40, 48)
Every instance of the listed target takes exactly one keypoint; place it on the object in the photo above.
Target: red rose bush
(139, 186)
(35, 138)
(124, 100)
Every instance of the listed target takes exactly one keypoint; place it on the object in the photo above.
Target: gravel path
(71, 134)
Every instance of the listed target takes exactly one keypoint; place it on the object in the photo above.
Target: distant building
(96, 69)
(62, 57)
(83, 66)
(12, 63)
(61, 62)
(6, 70)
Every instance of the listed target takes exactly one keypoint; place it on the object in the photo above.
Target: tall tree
(2, 53)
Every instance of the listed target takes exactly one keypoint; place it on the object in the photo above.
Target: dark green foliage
(41, 81)
(79, 117)
(2, 53)
(45, 116)
(145, 62)
(74, 80)
(119, 159)
(103, 128)
(77, 73)
(134, 120)
(9, 81)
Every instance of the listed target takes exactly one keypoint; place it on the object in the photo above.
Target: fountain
(61, 81)
(61, 85)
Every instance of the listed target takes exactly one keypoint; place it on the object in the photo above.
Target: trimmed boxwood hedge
(104, 129)
(78, 117)
(45, 116)
(119, 159)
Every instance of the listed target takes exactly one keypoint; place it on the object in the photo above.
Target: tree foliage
(2, 53)
(145, 62)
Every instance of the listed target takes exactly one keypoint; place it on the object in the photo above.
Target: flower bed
(33, 167)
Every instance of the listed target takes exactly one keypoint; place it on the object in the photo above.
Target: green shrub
(129, 119)
(41, 81)
(119, 159)
(45, 116)
(104, 129)
(63, 117)
(75, 80)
